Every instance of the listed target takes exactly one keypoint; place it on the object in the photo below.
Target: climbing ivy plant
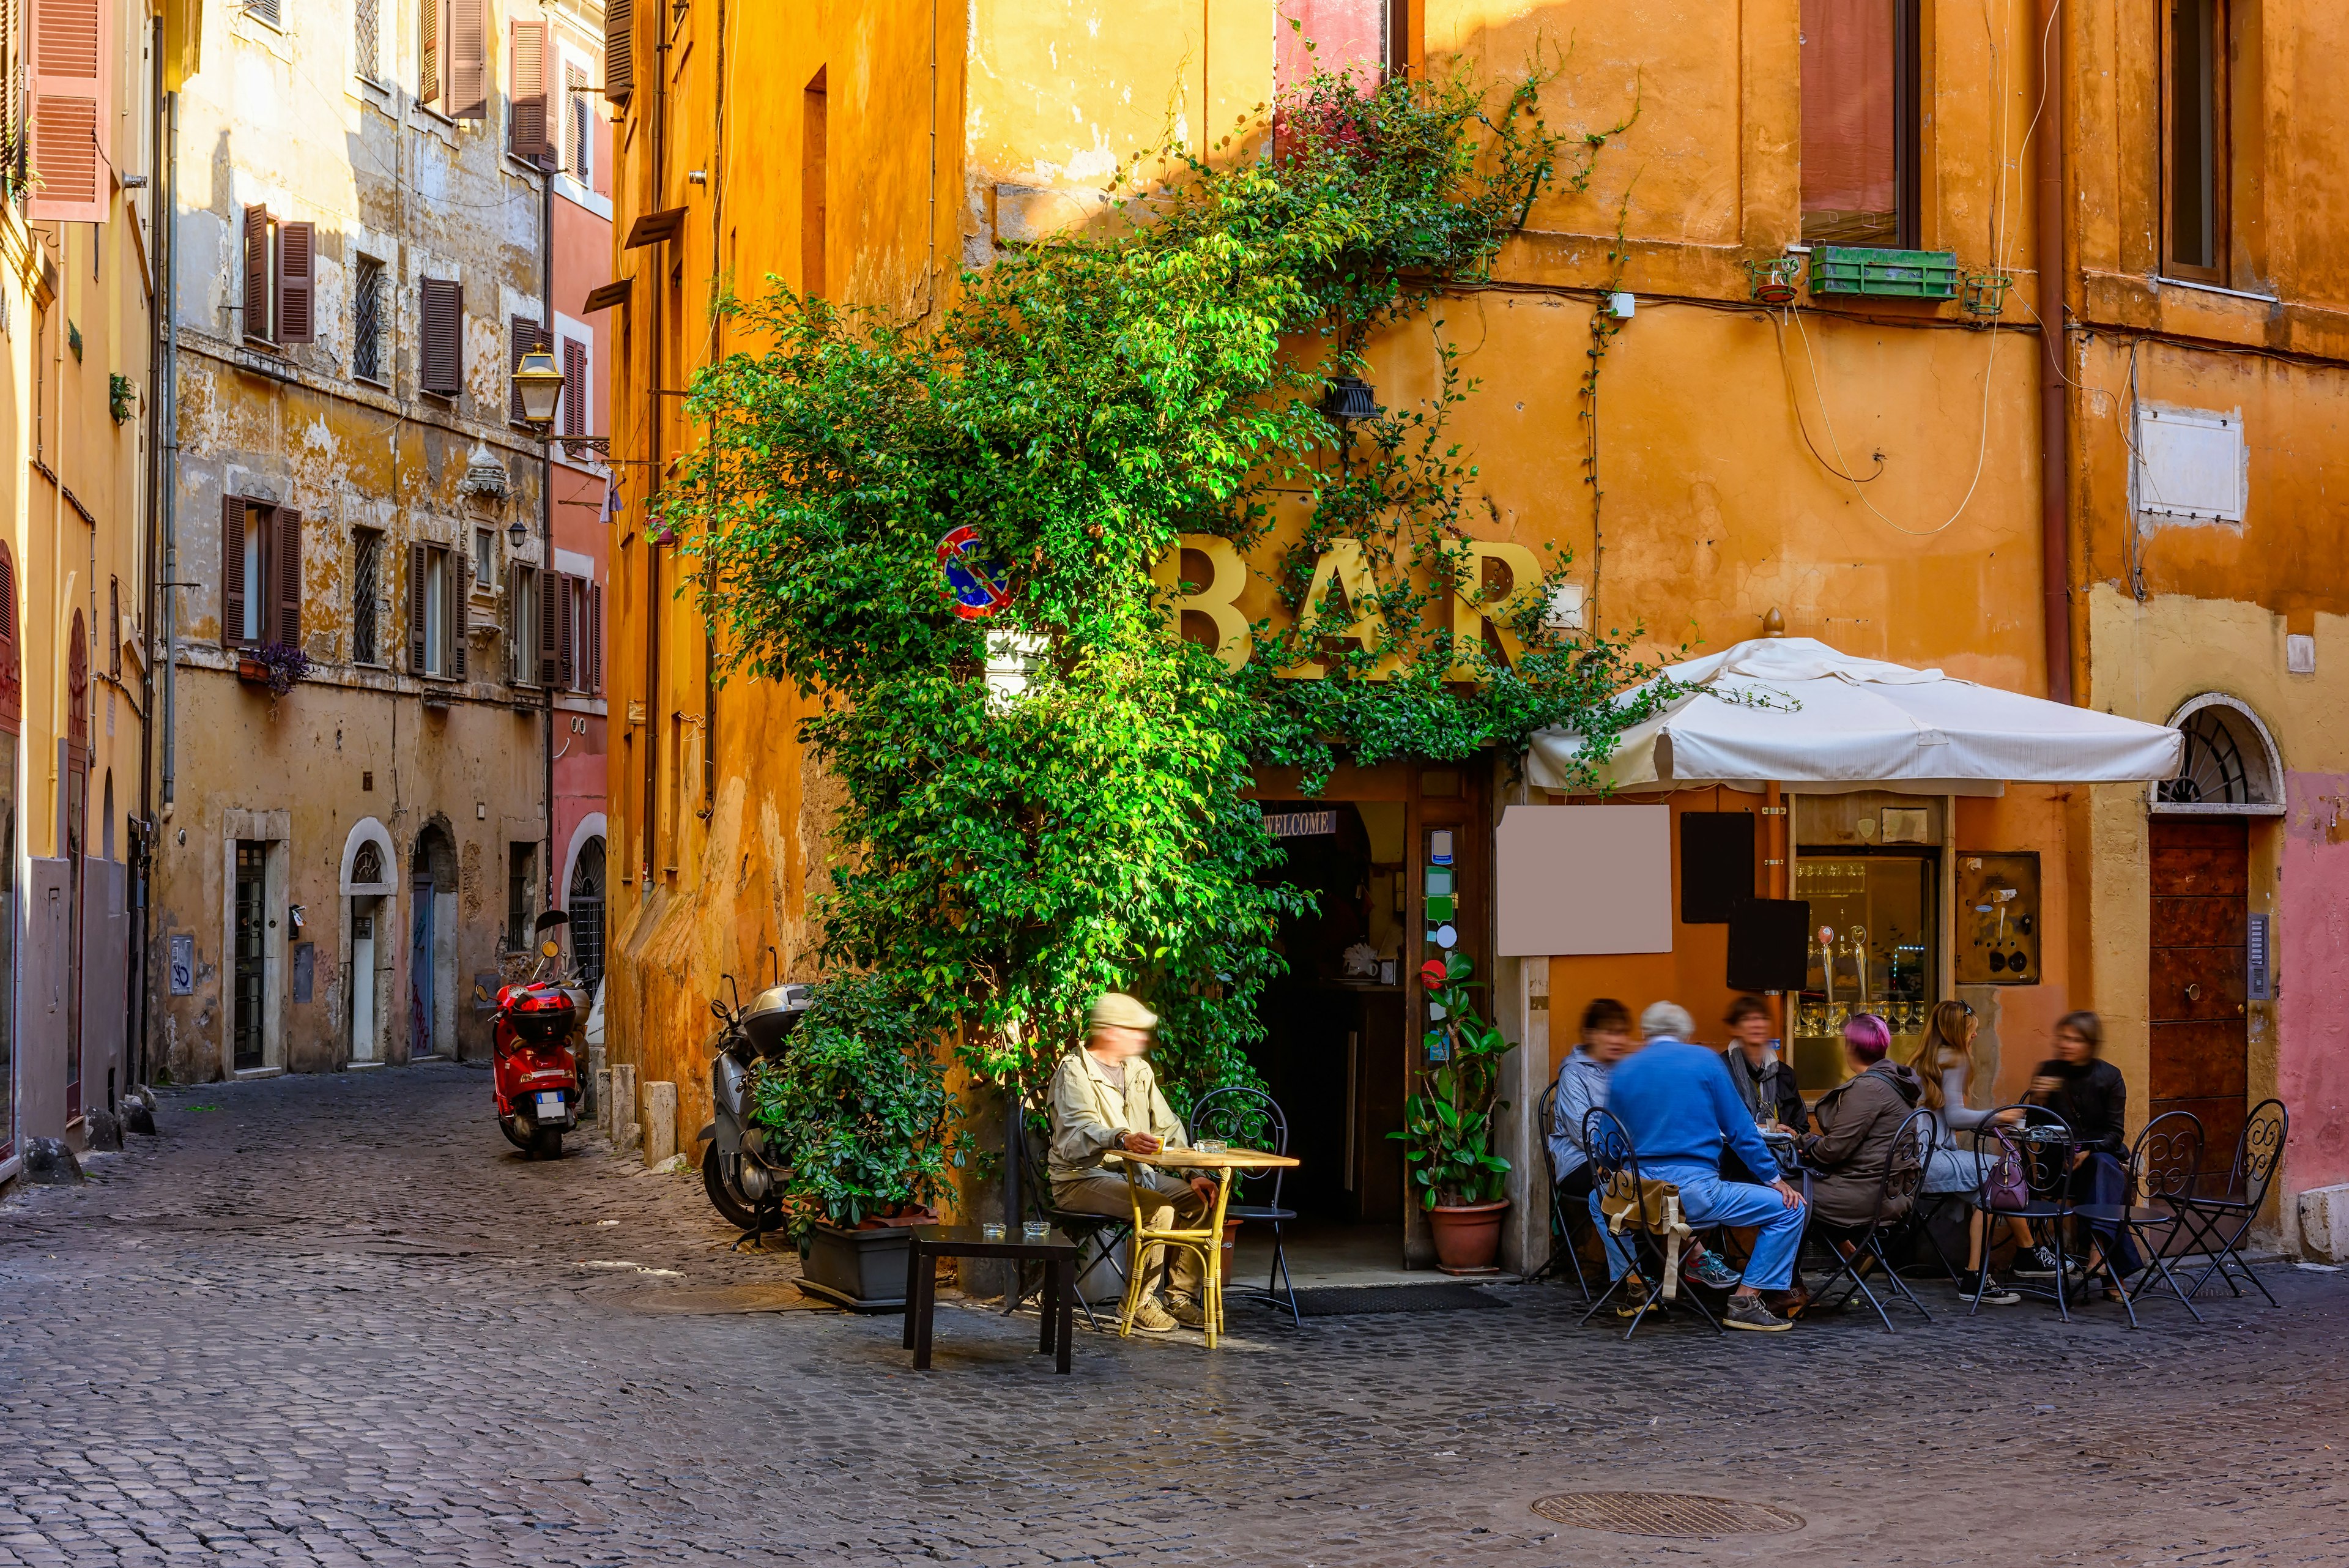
(1087, 400)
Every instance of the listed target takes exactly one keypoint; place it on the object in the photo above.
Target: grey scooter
(741, 1185)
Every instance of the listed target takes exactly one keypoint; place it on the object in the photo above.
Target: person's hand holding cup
(1139, 1143)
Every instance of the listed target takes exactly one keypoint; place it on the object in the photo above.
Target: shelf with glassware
(1874, 936)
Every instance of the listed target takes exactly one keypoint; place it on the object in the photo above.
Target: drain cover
(1666, 1513)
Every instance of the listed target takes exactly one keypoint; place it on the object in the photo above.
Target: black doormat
(1358, 1301)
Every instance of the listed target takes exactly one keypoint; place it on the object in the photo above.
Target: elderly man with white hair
(1679, 1109)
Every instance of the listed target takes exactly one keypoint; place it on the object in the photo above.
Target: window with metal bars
(366, 593)
(366, 320)
(367, 38)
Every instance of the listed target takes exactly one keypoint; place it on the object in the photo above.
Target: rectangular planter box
(1901, 275)
(863, 1270)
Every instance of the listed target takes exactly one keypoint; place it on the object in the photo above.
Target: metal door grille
(246, 977)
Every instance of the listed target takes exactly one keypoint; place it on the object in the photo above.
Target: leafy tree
(1087, 400)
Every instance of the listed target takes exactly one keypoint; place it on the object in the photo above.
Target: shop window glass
(1874, 936)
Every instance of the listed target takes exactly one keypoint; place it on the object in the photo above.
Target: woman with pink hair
(1857, 1120)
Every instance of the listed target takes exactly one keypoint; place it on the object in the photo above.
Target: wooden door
(2202, 885)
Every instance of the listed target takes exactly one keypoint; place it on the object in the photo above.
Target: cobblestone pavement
(337, 1320)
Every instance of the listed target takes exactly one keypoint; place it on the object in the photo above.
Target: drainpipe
(546, 501)
(143, 978)
(2055, 433)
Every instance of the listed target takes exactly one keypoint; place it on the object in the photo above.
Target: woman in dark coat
(2088, 1092)
(1857, 1121)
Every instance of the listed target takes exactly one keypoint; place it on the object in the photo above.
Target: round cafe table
(1208, 1242)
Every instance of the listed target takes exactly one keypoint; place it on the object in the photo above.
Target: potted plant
(855, 1115)
(1448, 1124)
(276, 665)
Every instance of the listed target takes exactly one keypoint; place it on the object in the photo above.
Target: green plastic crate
(1907, 275)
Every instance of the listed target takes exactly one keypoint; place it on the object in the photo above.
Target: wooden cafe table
(1208, 1243)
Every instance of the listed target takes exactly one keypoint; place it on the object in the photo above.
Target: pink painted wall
(2313, 979)
(1343, 33)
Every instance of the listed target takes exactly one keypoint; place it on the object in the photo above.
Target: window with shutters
(582, 636)
(68, 104)
(443, 361)
(368, 320)
(529, 133)
(367, 38)
(521, 859)
(1861, 122)
(261, 573)
(579, 119)
(437, 617)
(468, 96)
(522, 624)
(280, 279)
(523, 336)
(429, 52)
(265, 10)
(367, 596)
(578, 390)
(619, 49)
(114, 628)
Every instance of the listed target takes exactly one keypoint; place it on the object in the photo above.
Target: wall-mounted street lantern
(1350, 398)
(538, 386)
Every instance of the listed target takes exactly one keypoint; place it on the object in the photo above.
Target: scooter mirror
(551, 949)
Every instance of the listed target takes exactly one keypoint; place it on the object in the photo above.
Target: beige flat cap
(1115, 1010)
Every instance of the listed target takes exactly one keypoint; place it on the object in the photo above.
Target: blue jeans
(1707, 1199)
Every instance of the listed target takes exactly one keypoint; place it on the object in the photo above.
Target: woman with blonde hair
(1945, 1065)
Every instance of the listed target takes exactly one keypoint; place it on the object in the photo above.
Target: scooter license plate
(551, 1108)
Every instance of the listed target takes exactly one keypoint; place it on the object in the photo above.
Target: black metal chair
(1254, 1120)
(1561, 1223)
(1097, 1236)
(1855, 1247)
(2160, 1176)
(2023, 1172)
(2217, 1223)
(1649, 1209)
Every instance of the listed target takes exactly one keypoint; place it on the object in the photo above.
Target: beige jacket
(1089, 1115)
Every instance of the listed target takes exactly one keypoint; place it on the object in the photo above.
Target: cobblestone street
(338, 1320)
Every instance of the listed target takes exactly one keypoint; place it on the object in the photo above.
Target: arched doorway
(2204, 921)
(77, 836)
(583, 902)
(370, 886)
(432, 945)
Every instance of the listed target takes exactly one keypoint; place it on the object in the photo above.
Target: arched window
(366, 866)
(2230, 766)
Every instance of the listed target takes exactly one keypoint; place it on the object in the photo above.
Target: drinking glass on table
(1035, 1229)
(991, 1230)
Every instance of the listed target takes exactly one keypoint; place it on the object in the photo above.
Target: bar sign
(2258, 980)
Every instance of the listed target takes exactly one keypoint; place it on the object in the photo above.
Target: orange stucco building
(2134, 513)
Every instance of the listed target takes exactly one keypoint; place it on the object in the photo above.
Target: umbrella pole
(1773, 863)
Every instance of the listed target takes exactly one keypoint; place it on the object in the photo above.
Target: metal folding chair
(1561, 1233)
(2023, 1172)
(2216, 1223)
(1252, 1118)
(2161, 1167)
(1904, 1172)
(1649, 1210)
(1097, 1236)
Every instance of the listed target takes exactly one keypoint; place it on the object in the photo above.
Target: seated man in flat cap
(1105, 1099)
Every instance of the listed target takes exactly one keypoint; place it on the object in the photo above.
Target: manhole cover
(1666, 1513)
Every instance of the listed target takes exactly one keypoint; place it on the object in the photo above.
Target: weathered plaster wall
(2313, 970)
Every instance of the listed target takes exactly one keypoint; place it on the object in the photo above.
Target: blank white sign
(1585, 880)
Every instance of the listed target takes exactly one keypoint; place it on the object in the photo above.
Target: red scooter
(535, 1076)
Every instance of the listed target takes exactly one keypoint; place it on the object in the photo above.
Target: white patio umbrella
(1794, 712)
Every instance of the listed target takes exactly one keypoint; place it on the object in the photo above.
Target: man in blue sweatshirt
(1676, 1102)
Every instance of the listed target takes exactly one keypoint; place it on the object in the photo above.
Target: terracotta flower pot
(1468, 1236)
(253, 672)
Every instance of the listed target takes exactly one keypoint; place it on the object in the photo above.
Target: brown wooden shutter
(287, 589)
(444, 364)
(459, 596)
(257, 323)
(231, 570)
(469, 75)
(576, 390)
(69, 119)
(417, 564)
(568, 674)
(619, 48)
(297, 282)
(515, 640)
(11, 669)
(523, 335)
(428, 73)
(595, 681)
(527, 87)
(550, 657)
